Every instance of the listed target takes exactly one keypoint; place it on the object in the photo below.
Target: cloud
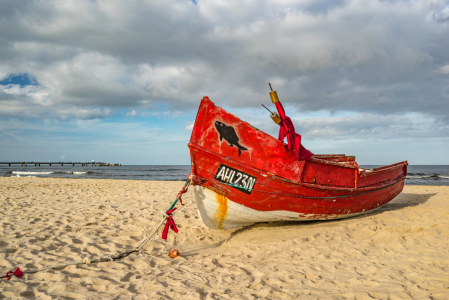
(442, 14)
(375, 56)
(374, 127)
(190, 126)
(5, 133)
(322, 126)
(131, 113)
(444, 69)
(372, 69)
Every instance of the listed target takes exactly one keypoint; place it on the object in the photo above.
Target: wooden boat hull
(219, 212)
(245, 176)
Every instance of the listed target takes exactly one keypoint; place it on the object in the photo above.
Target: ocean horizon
(417, 174)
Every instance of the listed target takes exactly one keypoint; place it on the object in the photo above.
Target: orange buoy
(174, 253)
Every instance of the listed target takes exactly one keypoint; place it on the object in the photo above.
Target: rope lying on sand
(141, 246)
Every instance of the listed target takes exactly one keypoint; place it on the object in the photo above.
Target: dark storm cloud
(379, 57)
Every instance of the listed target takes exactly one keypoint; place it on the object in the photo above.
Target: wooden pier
(39, 163)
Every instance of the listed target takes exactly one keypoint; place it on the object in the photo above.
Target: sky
(121, 81)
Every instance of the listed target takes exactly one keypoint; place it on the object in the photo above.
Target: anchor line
(142, 245)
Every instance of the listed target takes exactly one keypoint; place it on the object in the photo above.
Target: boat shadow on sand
(403, 200)
(281, 231)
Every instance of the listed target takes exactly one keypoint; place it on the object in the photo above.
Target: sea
(127, 172)
(417, 174)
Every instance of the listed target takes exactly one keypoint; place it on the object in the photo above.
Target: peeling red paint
(284, 183)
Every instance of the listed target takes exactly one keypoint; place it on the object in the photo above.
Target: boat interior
(350, 174)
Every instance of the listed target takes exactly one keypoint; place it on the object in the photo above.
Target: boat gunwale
(333, 163)
(383, 170)
(389, 166)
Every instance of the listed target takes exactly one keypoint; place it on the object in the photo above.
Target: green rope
(176, 200)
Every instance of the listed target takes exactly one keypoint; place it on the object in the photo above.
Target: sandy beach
(401, 251)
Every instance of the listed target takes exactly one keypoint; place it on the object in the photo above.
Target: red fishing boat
(245, 176)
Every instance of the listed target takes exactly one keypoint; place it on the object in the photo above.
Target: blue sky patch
(22, 79)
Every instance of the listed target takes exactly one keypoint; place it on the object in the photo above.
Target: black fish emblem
(228, 133)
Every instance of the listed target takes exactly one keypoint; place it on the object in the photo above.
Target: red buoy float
(174, 253)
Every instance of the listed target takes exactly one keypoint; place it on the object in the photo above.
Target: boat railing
(389, 166)
(381, 170)
(334, 163)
